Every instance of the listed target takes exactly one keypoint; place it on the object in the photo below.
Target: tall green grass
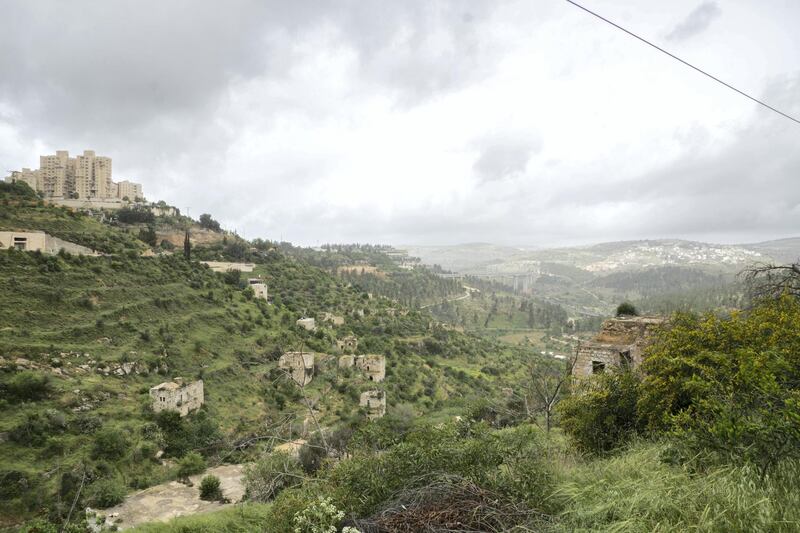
(243, 518)
(637, 491)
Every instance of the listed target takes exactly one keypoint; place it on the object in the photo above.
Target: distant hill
(592, 279)
(605, 257)
(463, 257)
(781, 250)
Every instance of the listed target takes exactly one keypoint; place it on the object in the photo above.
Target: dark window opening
(598, 367)
(625, 359)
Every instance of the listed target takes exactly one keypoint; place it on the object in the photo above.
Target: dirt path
(168, 500)
(462, 297)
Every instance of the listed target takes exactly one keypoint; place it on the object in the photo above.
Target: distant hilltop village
(83, 177)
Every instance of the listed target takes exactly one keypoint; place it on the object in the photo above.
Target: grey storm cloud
(696, 22)
(743, 188)
(415, 121)
(110, 65)
(144, 78)
(502, 158)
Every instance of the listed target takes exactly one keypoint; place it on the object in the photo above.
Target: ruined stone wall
(54, 245)
(375, 403)
(628, 330)
(374, 366)
(348, 344)
(224, 266)
(182, 398)
(300, 366)
(620, 341)
(260, 289)
(309, 324)
(333, 319)
(591, 353)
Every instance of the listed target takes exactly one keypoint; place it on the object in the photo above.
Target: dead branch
(766, 280)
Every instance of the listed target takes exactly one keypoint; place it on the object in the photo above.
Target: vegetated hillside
(493, 310)
(590, 281)
(82, 339)
(706, 438)
(382, 270)
(21, 208)
(657, 280)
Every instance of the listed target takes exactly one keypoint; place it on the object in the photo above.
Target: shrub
(13, 483)
(190, 464)
(602, 415)
(182, 435)
(627, 309)
(110, 443)
(266, 478)
(106, 493)
(232, 277)
(508, 462)
(728, 386)
(210, 488)
(312, 454)
(136, 215)
(207, 222)
(35, 428)
(28, 386)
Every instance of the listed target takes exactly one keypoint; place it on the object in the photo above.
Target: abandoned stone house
(177, 396)
(373, 366)
(336, 320)
(619, 343)
(299, 365)
(259, 287)
(39, 241)
(309, 324)
(347, 344)
(375, 403)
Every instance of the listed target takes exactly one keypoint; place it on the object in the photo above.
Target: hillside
(591, 280)
(780, 250)
(82, 339)
(606, 257)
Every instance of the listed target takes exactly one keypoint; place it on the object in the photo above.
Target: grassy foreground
(634, 490)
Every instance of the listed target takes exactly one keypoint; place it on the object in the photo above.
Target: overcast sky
(421, 122)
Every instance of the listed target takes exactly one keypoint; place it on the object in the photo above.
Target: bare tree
(765, 280)
(544, 387)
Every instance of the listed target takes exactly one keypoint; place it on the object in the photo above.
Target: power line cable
(673, 56)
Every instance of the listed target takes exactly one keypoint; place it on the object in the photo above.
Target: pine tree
(187, 247)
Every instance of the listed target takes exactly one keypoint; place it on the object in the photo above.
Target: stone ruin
(374, 366)
(336, 320)
(309, 324)
(259, 287)
(620, 343)
(347, 344)
(299, 365)
(177, 396)
(375, 403)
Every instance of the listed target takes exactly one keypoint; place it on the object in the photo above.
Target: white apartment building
(83, 177)
(130, 189)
